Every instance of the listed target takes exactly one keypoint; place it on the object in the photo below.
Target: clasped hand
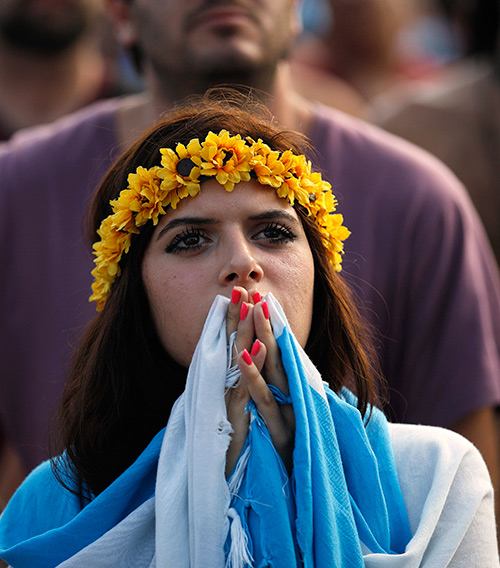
(259, 361)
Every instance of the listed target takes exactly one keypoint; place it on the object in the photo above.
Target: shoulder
(450, 96)
(99, 115)
(40, 504)
(354, 151)
(448, 495)
(440, 471)
(378, 176)
(438, 459)
(59, 160)
(435, 446)
(70, 138)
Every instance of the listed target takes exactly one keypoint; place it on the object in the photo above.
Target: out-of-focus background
(426, 70)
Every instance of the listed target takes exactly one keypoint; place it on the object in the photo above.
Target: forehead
(247, 199)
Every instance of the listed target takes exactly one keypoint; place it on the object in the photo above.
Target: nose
(240, 266)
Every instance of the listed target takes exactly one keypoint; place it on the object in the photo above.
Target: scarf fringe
(239, 556)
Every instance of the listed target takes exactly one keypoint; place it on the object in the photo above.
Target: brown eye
(188, 240)
(276, 233)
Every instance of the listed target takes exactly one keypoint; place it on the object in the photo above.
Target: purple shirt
(417, 258)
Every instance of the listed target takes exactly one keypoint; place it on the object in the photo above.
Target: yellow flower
(227, 158)
(144, 181)
(169, 174)
(266, 164)
(100, 290)
(113, 244)
(294, 168)
(129, 199)
(317, 195)
(123, 220)
(336, 228)
(143, 197)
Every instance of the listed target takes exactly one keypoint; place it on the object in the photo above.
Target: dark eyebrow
(274, 214)
(183, 221)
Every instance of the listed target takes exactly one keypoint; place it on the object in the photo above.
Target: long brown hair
(123, 383)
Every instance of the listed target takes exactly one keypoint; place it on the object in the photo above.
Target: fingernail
(265, 309)
(246, 357)
(256, 297)
(235, 296)
(244, 311)
(255, 348)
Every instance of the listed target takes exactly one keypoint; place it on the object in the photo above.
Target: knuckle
(267, 398)
(239, 396)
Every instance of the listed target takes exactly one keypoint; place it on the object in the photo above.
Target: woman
(221, 311)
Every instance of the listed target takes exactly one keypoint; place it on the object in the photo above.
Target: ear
(120, 14)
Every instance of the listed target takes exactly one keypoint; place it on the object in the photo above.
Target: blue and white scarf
(174, 507)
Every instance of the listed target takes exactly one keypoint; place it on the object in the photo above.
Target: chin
(239, 59)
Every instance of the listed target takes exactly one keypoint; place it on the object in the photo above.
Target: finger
(246, 329)
(236, 402)
(254, 294)
(273, 370)
(238, 296)
(258, 354)
(281, 434)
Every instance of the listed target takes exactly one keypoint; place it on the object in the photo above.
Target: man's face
(46, 27)
(213, 38)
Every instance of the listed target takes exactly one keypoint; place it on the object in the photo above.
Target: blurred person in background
(354, 42)
(457, 115)
(55, 57)
(310, 74)
(369, 47)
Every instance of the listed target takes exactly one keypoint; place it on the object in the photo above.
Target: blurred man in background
(55, 57)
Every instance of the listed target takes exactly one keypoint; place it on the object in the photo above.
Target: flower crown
(229, 159)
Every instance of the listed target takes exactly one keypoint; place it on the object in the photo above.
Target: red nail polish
(265, 309)
(256, 297)
(255, 348)
(235, 296)
(244, 311)
(246, 357)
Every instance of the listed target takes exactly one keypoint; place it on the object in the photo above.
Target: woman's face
(215, 241)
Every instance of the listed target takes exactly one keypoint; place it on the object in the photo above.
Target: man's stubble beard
(199, 74)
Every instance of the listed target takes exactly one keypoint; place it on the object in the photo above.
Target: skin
(234, 244)
(206, 36)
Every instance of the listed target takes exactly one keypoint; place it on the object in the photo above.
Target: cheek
(303, 308)
(294, 288)
(179, 310)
